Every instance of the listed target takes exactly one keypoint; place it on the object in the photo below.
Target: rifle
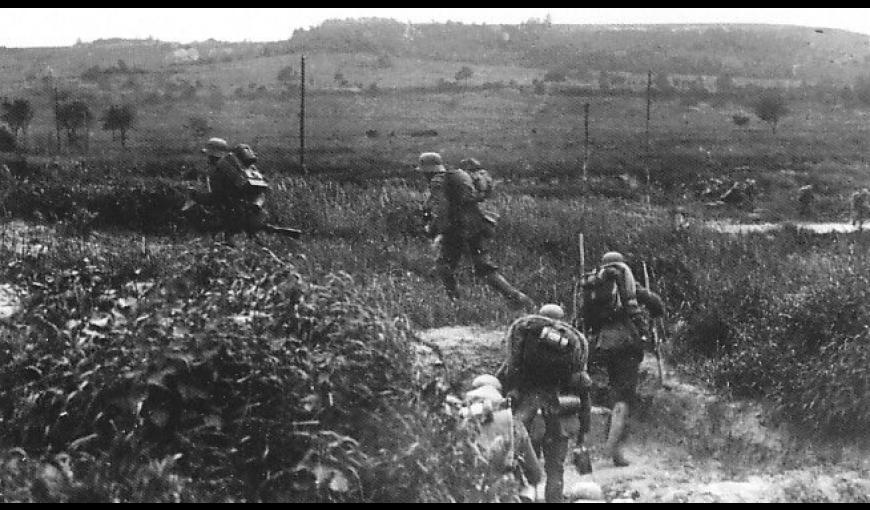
(578, 319)
(657, 344)
(285, 231)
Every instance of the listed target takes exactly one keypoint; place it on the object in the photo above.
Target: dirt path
(690, 445)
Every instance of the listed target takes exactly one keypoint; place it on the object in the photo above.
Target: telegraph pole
(648, 106)
(56, 110)
(302, 118)
(585, 140)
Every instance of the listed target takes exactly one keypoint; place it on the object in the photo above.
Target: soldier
(860, 203)
(458, 225)
(503, 439)
(237, 191)
(214, 150)
(614, 320)
(807, 200)
(544, 355)
(680, 219)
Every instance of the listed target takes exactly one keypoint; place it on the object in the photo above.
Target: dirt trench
(689, 444)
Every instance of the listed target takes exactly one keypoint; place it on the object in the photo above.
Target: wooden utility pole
(648, 106)
(302, 118)
(585, 141)
(56, 114)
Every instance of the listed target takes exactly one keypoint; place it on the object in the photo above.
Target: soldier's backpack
(548, 351)
(239, 166)
(601, 297)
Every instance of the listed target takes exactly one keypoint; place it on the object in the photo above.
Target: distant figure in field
(680, 220)
(741, 194)
(860, 203)
(807, 201)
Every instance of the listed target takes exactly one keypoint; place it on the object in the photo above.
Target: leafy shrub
(8, 142)
(221, 376)
(740, 120)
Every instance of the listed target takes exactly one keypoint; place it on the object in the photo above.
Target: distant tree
(122, 66)
(17, 114)
(771, 107)
(662, 84)
(119, 119)
(603, 80)
(198, 126)
(555, 75)
(698, 88)
(740, 120)
(288, 77)
(72, 117)
(384, 62)
(464, 74)
(724, 84)
(92, 74)
(131, 84)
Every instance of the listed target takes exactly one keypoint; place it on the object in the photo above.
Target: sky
(63, 27)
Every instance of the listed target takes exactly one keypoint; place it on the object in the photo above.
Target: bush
(217, 375)
(740, 120)
(7, 140)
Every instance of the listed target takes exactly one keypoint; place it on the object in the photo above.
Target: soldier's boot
(617, 434)
(580, 459)
(516, 298)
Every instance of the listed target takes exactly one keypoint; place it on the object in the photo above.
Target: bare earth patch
(688, 444)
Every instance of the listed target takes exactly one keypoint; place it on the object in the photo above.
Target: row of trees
(71, 117)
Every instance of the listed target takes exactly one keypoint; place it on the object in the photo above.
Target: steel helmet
(431, 162)
(486, 380)
(470, 164)
(484, 394)
(216, 147)
(612, 257)
(552, 311)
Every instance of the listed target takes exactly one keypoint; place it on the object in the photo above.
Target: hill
(750, 51)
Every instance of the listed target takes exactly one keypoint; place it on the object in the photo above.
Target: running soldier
(458, 225)
(860, 207)
(618, 333)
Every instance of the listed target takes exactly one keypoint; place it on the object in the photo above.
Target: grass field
(779, 317)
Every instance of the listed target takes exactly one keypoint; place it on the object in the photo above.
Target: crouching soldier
(503, 440)
(618, 334)
(545, 355)
(459, 225)
(237, 191)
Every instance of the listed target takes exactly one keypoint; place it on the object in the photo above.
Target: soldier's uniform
(617, 331)
(462, 227)
(538, 389)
